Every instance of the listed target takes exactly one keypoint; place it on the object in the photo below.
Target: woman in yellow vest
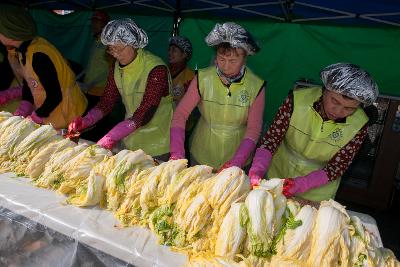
(99, 61)
(143, 82)
(316, 133)
(50, 93)
(179, 53)
(230, 98)
(95, 78)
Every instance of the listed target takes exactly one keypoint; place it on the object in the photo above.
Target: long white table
(92, 226)
(96, 227)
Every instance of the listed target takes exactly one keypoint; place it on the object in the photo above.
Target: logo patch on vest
(336, 135)
(244, 97)
(33, 83)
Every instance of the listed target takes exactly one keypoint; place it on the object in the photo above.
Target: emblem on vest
(244, 97)
(336, 135)
(33, 83)
(177, 91)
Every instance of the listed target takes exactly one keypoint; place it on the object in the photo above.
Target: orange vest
(73, 102)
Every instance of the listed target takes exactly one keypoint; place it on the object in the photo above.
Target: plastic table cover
(93, 226)
(87, 234)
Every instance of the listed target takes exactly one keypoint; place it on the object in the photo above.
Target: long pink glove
(241, 155)
(78, 124)
(302, 184)
(120, 131)
(24, 109)
(177, 141)
(260, 165)
(35, 118)
(10, 94)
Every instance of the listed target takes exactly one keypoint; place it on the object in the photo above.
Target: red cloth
(337, 165)
(156, 88)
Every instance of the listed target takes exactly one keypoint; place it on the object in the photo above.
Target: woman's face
(176, 55)
(7, 41)
(337, 106)
(124, 54)
(230, 61)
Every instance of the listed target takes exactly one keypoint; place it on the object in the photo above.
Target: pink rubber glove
(302, 184)
(260, 164)
(227, 165)
(177, 141)
(35, 118)
(242, 153)
(79, 123)
(10, 94)
(120, 131)
(24, 109)
(254, 180)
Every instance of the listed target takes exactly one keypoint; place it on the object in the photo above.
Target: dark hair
(344, 96)
(226, 48)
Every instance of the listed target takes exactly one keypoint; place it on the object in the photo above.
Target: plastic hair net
(235, 35)
(350, 80)
(183, 43)
(124, 31)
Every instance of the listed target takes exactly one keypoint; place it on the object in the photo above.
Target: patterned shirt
(156, 88)
(338, 164)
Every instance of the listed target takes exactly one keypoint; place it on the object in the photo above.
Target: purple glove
(302, 184)
(254, 180)
(24, 109)
(78, 124)
(120, 131)
(177, 140)
(35, 118)
(260, 164)
(10, 94)
(242, 153)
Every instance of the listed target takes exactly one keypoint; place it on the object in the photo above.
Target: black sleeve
(46, 71)
(26, 93)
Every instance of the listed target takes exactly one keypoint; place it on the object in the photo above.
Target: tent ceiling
(355, 12)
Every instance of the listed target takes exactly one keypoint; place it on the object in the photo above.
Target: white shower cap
(235, 35)
(124, 31)
(183, 43)
(350, 80)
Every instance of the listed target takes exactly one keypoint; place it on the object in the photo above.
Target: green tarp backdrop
(288, 51)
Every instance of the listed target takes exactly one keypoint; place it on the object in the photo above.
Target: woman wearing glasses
(142, 80)
(316, 134)
(230, 98)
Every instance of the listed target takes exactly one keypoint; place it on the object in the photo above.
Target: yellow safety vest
(73, 102)
(311, 142)
(223, 120)
(97, 69)
(179, 82)
(131, 81)
(15, 66)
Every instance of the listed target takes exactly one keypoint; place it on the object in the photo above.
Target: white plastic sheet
(84, 229)
(94, 227)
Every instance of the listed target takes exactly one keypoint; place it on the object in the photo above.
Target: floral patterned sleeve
(279, 126)
(110, 95)
(157, 87)
(343, 158)
(338, 163)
